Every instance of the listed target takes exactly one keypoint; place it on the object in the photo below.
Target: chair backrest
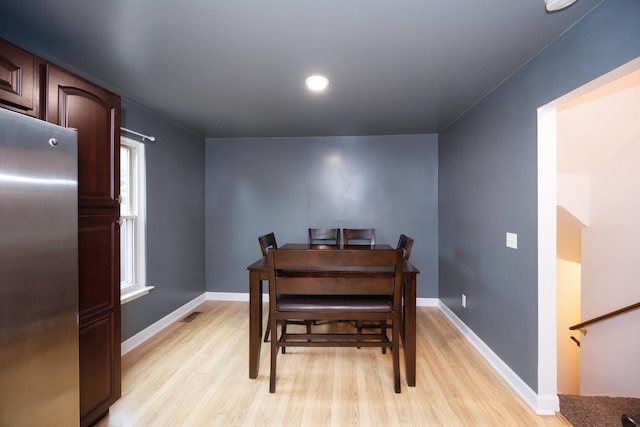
(325, 236)
(268, 241)
(335, 272)
(405, 243)
(354, 236)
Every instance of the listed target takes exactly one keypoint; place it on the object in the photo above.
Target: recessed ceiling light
(317, 83)
(553, 5)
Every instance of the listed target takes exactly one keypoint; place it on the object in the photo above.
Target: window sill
(130, 295)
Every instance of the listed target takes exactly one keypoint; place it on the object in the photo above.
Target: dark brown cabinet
(19, 78)
(95, 113)
(33, 86)
(99, 338)
(97, 372)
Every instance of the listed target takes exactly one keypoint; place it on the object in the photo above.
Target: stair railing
(581, 326)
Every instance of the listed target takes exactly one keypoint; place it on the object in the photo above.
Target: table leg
(409, 338)
(404, 302)
(255, 322)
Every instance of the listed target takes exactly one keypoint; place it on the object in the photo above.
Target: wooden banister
(605, 316)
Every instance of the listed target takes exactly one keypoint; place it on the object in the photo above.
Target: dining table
(259, 272)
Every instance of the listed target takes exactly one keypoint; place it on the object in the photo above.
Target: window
(132, 221)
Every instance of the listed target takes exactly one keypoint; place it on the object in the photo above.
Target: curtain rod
(141, 135)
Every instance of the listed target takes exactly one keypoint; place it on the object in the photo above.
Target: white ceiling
(236, 68)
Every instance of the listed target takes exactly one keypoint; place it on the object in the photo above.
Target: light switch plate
(512, 240)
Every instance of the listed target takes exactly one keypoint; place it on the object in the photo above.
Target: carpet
(597, 411)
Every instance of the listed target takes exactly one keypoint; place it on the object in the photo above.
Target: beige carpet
(597, 411)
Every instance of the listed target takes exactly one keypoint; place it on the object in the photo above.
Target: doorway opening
(570, 157)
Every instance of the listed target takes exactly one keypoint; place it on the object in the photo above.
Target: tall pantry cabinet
(95, 113)
(68, 100)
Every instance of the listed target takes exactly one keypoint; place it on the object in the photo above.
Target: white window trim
(139, 287)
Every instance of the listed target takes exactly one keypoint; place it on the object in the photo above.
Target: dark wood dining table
(258, 271)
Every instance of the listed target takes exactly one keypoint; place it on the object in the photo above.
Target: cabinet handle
(119, 199)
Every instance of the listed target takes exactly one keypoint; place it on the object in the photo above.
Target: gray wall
(488, 184)
(286, 185)
(175, 218)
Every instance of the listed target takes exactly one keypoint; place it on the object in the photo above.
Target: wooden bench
(321, 284)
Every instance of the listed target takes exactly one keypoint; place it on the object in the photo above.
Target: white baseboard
(231, 296)
(427, 302)
(158, 326)
(542, 405)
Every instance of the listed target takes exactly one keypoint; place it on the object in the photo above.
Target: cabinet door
(98, 265)
(18, 80)
(99, 307)
(99, 368)
(95, 113)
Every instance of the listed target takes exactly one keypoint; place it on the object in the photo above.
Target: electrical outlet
(512, 240)
(464, 301)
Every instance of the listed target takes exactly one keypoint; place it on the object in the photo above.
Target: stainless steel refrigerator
(39, 383)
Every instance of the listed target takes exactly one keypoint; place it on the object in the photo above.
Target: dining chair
(268, 242)
(405, 243)
(324, 236)
(297, 291)
(354, 236)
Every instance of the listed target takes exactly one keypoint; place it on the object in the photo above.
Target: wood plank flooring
(197, 374)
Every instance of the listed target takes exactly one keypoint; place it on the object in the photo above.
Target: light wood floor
(197, 374)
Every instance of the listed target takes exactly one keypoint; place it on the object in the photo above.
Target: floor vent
(192, 316)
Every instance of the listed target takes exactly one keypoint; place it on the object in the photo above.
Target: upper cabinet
(19, 77)
(95, 113)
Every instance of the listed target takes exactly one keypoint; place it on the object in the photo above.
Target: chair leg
(284, 334)
(274, 356)
(395, 349)
(383, 332)
(266, 332)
